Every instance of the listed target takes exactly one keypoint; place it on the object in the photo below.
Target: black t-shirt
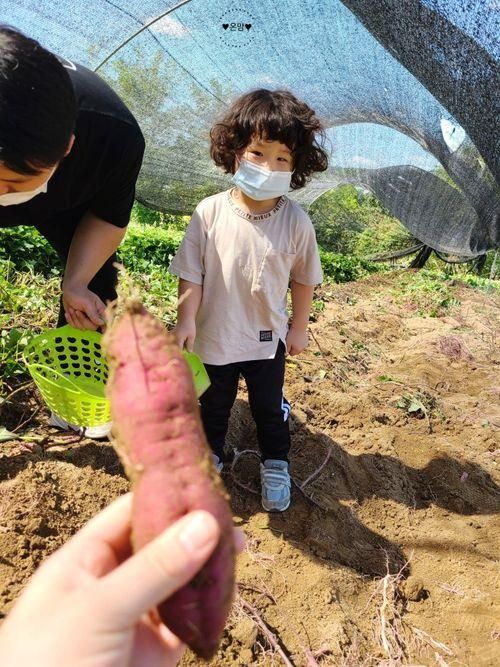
(101, 170)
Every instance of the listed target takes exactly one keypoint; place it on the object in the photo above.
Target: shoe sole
(92, 432)
(275, 509)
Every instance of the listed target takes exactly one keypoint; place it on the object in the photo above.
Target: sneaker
(276, 483)
(219, 465)
(95, 432)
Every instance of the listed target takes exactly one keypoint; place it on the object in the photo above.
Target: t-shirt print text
(265, 336)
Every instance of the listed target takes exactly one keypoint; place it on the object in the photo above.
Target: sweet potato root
(158, 434)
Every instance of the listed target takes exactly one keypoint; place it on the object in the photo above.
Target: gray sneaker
(276, 483)
(93, 432)
(219, 465)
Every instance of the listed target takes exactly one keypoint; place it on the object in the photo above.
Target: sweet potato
(159, 436)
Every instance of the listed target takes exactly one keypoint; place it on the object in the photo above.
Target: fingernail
(198, 532)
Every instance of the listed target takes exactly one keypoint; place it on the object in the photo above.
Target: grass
(432, 293)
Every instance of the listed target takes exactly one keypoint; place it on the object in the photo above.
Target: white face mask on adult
(259, 183)
(13, 198)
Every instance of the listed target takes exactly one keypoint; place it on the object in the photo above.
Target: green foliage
(7, 301)
(12, 343)
(337, 218)
(383, 234)
(350, 222)
(483, 284)
(428, 293)
(28, 251)
(145, 247)
(344, 268)
(146, 253)
(386, 378)
(180, 196)
(158, 290)
(27, 297)
(143, 215)
(410, 403)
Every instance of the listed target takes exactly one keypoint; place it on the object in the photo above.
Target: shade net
(407, 89)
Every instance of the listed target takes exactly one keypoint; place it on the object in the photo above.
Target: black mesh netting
(407, 88)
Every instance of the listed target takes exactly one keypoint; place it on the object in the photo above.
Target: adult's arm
(74, 609)
(94, 241)
(102, 228)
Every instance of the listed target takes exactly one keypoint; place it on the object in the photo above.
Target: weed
(12, 344)
(420, 404)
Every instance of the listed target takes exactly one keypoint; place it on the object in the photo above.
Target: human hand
(185, 333)
(296, 340)
(83, 309)
(88, 603)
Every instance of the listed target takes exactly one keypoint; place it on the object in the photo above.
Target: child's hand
(185, 333)
(296, 340)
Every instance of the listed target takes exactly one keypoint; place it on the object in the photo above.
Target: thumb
(180, 339)
(90, 308)
(158, 570)
(189, 343)
(100, 307)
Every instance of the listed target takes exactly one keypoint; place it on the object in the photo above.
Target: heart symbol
(248, 26)
(225, 26)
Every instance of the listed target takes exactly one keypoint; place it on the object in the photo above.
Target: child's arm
(189, 265)
(189, 302)
(297, 338)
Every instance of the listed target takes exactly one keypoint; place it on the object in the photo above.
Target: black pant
(264, 379)
(59, 231)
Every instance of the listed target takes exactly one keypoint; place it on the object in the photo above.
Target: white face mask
(259, 183)
(12, 198)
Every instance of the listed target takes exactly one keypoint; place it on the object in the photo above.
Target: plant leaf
(7, 435)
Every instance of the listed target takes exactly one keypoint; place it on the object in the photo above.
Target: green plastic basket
(200, 375)
(69, 369)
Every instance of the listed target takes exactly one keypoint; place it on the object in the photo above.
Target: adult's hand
(87, 605)
(82, 307)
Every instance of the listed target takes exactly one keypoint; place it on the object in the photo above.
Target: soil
(388, 553)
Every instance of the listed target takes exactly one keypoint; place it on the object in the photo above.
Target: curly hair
(274, 115)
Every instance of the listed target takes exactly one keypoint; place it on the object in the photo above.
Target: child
(235, 262)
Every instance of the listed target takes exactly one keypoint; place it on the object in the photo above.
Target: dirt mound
(388, 553)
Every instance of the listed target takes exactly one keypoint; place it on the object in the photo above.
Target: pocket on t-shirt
(275, 273)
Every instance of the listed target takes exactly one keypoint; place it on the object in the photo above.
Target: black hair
(274, 115)
(37, 105)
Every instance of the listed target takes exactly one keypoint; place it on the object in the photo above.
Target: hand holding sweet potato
(158, 434)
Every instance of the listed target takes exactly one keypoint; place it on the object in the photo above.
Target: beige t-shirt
(244, 263)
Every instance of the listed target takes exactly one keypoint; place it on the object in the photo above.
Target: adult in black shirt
(70, 154)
